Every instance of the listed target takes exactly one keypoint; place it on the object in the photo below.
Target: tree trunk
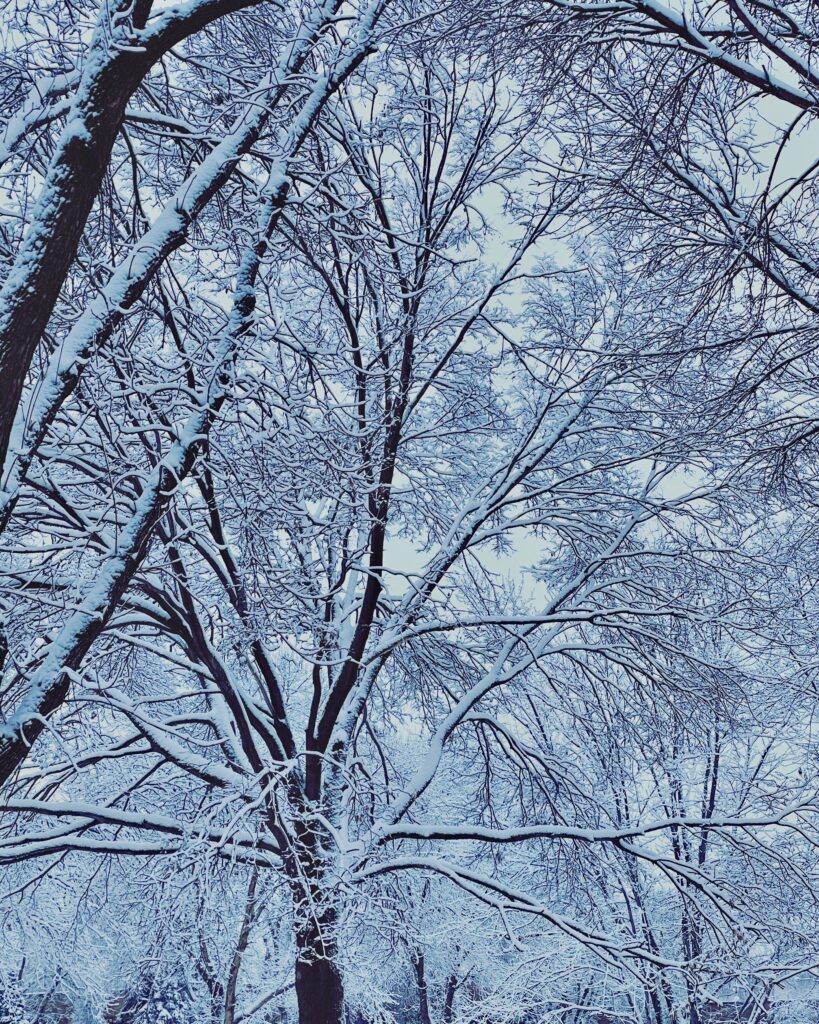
(421, 985)
(116, 62)
(319, 987)
(72, 182)
(241, 946)
(449, 998)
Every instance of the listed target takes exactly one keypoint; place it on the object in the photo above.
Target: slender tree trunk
(449, 997)
(241, 946)
(421, 985)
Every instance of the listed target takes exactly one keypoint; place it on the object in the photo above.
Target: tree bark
(31, 289)
(449, 997)
(241, 946)
(421, 985)
(319, 985)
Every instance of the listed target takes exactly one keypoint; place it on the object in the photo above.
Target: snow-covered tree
(407, 594)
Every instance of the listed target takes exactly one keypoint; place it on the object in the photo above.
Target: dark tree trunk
(48, 249)
(33, 283)
(421, 984)
(241, 947)
(319, 987)
(449, 998)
